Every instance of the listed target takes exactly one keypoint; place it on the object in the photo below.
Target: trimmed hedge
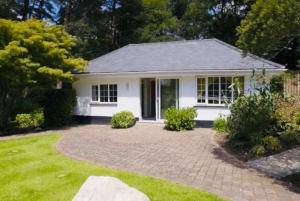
(180, 119)
(124, 119)
(58, 107)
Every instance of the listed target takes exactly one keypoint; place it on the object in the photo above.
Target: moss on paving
(31, 169)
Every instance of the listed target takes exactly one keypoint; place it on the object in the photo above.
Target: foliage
(214, 19)
(124, 119)
(221, 125)
(269, 27)
(158, 22)
(291, 136)
(258, 150)
(30, 120)
(249, 124)
(263, 123)
(180, 119)
(287, 111)
(35, 160)
(276, 84)
(58, 107)
(32, 54)
(271, 143)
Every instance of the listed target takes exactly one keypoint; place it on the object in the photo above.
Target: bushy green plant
(291, 135)
(59, 107)
(220, 125)
(251, 116)
(297, 118)
(30, 120)
(124, 119)
(258, 150)
(271, 143)
(180, 119)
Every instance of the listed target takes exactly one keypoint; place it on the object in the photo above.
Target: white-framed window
(219, 90)
(105, 93)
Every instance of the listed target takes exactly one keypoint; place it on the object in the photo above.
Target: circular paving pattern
(189, 157)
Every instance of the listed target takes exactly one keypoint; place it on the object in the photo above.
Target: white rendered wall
(128, 97)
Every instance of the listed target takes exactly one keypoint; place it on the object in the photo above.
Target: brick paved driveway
(191, 158)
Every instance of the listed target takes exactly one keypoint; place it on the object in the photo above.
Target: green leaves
(37, 49)
(269, 26)
(33, 54)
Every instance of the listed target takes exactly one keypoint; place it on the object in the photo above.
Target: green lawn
(32, 169)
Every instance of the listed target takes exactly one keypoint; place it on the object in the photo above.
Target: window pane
(113, 93)
(239, 86)
(213, 90)
(95, 93)
(201, 90)
(103, 93)
(226, 91)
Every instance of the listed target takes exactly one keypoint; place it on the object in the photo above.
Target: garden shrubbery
(221, 125)
(124, 119)
(58, 107)
(31, 120)
(262, 122)
(180, 119)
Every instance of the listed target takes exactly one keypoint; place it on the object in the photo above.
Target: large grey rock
(108, 189)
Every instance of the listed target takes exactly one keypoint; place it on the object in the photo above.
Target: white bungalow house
(146, 79)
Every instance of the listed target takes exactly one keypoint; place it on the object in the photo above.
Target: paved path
(192, 158)
(279, 165)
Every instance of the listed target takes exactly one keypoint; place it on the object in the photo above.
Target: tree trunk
(68, 13)
(25, 10)
(113, 24)
(40, 10)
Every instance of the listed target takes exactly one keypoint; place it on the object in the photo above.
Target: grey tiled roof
(178, 56)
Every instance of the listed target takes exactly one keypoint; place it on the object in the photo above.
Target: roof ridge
(174, 41)
(249, 54)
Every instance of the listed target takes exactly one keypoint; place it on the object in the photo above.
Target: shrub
(271, 143)
(24, 121)
(251, 116)
(288, 110)
(258, 150)
(180, 119)
(291, 136)
(124, 119)
(59, 107)
(276, 84)
(220, 125)
(30, 120)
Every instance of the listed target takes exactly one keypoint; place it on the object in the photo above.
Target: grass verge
(31, 169)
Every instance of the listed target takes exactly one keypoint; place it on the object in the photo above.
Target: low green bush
(271, 143)
(291, 136)
(58, 107)
(180, 119)
(258, 150)
(221, 125)
(30, 120)
(124, 119)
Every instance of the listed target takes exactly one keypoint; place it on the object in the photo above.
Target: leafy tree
(26, 9)
(158, 22)
(270, 27)
(32, 54)
(214, 18)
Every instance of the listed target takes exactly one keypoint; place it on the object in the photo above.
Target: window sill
(212, 105)
(103, 103)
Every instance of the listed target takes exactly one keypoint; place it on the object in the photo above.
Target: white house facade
(146, 79)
